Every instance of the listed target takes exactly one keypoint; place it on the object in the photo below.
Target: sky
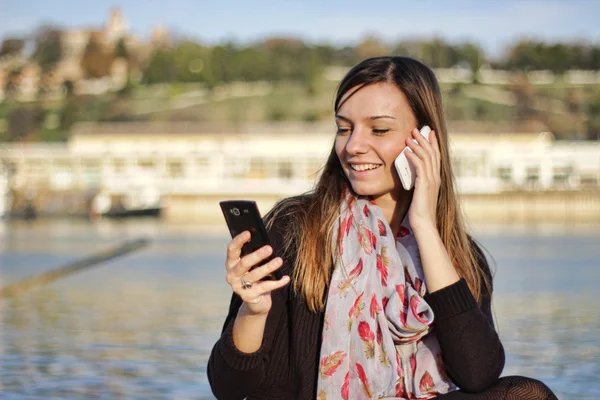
(494, 24)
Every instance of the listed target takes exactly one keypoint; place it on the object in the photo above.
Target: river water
(142, 326)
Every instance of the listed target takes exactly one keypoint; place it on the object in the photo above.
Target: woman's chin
(365, 189)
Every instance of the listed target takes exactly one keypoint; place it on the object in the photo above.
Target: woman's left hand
(425, 156)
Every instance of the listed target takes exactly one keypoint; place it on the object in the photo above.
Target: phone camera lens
(235, 211)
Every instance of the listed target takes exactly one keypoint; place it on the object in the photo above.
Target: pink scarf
(377, 337)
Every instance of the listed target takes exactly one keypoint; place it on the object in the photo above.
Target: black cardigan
(286, 365)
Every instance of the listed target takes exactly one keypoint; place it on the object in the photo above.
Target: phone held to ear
(406, 169)
(243, 215)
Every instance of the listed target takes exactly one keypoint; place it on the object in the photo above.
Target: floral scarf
(377, 338)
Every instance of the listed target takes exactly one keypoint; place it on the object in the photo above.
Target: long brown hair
(313, 215)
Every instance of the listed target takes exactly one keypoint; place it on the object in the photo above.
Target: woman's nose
(357, 142)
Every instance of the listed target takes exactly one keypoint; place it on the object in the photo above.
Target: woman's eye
(342, 131)
(380, 131)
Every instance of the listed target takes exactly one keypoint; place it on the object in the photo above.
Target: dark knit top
(286, 365)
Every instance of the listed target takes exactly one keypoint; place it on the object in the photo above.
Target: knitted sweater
(286, 364)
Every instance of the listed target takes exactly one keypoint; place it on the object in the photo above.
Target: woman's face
(373, 125)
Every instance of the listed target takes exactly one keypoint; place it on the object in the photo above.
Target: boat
(142, 202)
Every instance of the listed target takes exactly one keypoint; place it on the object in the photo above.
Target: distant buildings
(281, 158)
(29, 78)
(192, 165)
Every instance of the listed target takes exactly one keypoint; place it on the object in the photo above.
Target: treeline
(273, 59)
(283, 59)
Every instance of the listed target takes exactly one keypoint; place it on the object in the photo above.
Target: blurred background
(122, 120)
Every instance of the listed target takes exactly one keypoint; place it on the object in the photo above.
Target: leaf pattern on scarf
(381, 227)
(367, 336)
(366, 211)
(374, 307)
(414, 304)
(345, 391)
(400, 290)
(351, 202)
(426, 383)
(349, 223)
(345, 284)
(322, 395)
(365, 239)
(382, 270)
(384, 256)
(363, 379)
(413, 364)
(400, 389)
(382, 356)
(329, 364)
(418, 285)
(384, 302)
(373, 239)
(355, 310)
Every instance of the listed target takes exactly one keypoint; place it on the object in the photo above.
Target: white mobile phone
(406, 169)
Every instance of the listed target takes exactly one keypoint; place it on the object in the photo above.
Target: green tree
(121, 49)
(437, 53)
(190, 60)
(473, 55)
(313, 73)
(48, 47)
(371, 46)
(161, 67)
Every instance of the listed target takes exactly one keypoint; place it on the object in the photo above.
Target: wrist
(424, 228)
(245, 311)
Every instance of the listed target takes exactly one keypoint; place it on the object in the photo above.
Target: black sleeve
(233, 374)
(471, 349)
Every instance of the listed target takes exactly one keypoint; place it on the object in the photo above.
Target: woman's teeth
(364, 167)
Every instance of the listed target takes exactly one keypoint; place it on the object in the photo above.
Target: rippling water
(142, 326)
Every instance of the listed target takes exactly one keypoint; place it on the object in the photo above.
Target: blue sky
(493, 24)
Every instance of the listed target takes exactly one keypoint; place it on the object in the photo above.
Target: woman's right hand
(257, 298)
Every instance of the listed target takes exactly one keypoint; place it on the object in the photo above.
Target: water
(142, 326)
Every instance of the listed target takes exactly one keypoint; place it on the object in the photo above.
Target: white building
(282, 159)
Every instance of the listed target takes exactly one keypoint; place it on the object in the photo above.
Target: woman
(389, 297)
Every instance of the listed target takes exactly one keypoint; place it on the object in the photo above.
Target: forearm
(228, 363)
(471, 348)
(437, 266)
(248, 330)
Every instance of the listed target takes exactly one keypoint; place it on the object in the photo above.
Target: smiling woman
(371, 266)
(373, 126)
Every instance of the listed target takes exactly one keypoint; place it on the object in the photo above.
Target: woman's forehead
(373, 100)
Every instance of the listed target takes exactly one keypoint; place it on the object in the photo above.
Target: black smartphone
(243, 215)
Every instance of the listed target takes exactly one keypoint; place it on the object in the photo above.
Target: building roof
(174, 128)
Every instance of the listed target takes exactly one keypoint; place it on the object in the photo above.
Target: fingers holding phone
(248, 280)
(252, 271)
(234, 249)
